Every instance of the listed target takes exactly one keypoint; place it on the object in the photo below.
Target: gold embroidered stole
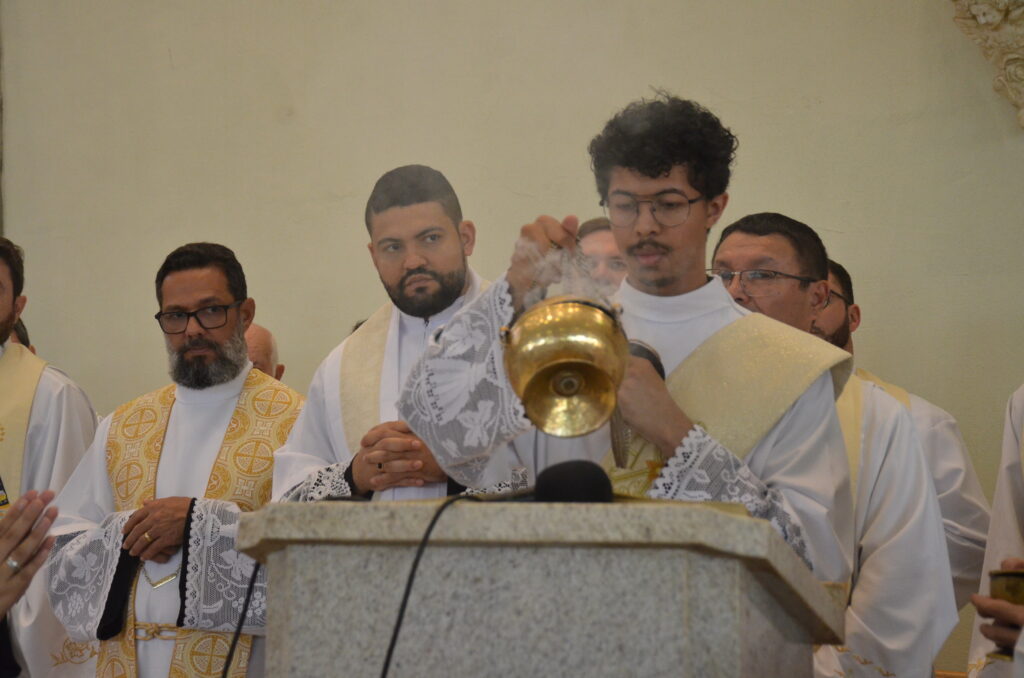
(361, 366)
(19, 376)
(850, 408)
(896, 392)
(241, 474)
(737, 385)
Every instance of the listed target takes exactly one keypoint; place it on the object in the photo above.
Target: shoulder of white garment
(1015, 409)
(708, 298)
(54, 383)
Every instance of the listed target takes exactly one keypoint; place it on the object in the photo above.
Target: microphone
(621, 433)
(577, 481)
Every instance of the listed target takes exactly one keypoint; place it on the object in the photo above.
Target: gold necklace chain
(160, 582)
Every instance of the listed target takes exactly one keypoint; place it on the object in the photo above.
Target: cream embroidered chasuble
(241, 474)
(850, 409)
(19, 375)
(736, 385)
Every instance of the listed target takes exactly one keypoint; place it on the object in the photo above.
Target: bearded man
(156, 499)
(350, 439)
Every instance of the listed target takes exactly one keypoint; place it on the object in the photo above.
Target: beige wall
(132, 127)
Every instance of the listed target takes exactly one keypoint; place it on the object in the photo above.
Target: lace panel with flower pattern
(457, 398)
(703, 470)
(80, 571)
(217, 576)
(325, 483)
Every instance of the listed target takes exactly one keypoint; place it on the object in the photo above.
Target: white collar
(710, 297)
(227, 391)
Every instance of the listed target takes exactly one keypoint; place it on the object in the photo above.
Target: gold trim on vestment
(900, 394)
(242, 474)
(738, 384)
(850, 408)
(20, 370)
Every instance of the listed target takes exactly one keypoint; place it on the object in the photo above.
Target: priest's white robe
(459, 400)
(1005, 538)
(901, 606)
(965, 512)
(91, 533)
(317, 449)
(61, 427)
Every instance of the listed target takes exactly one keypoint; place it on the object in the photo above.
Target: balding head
(263, 351)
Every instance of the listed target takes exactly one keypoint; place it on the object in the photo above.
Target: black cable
(241, 621)
(412, 575)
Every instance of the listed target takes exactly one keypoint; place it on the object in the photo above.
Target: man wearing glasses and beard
(350, 439)
(156, 499)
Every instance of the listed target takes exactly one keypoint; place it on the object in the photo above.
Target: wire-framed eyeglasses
(757, 282)
(669, 208)
(208, 317)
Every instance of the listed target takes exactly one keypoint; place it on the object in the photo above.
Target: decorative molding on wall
(997, 26)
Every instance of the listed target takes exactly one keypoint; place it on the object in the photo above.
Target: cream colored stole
(896, 392)
(361, 366)
(241, 474)
(850, 408)
(19, 376)
(737, 385)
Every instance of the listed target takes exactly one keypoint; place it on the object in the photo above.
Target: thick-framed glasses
(757, 282)
(833, 293)
(208, 317)
(669, 209)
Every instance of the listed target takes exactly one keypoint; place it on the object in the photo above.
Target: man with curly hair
(747, 412)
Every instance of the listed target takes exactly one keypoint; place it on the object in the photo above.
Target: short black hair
(843, 276)
(21, 332)
(810, 250)
(204, 255)
(651, 136)
(593, 226)
(412, 185)
(14, 257)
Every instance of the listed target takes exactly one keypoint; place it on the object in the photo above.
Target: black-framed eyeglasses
(757, 282)
(669, 208)
(833, 293)
(208, 317)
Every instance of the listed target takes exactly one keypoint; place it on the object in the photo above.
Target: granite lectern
(530, 589)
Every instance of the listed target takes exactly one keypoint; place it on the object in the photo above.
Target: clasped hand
(391, 455)
(1007, 618)
(155, 532)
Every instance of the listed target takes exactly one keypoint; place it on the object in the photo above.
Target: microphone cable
(241, 621)
(412, 575)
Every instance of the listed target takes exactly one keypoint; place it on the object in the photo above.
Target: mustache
(647, 245)
(419, 271)
(199, 342)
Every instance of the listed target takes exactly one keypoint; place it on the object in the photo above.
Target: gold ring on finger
(148, 538)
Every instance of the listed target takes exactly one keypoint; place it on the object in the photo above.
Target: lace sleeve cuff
(216, 575)
(703, 470)
(457, 397)
(329, 482)
(83, 572)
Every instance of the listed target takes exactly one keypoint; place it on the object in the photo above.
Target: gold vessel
(565, 358)
(1007, 585)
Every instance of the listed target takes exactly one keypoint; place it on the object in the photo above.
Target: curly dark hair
(651, 136)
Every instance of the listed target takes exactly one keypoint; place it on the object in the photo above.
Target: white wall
(133, 127)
